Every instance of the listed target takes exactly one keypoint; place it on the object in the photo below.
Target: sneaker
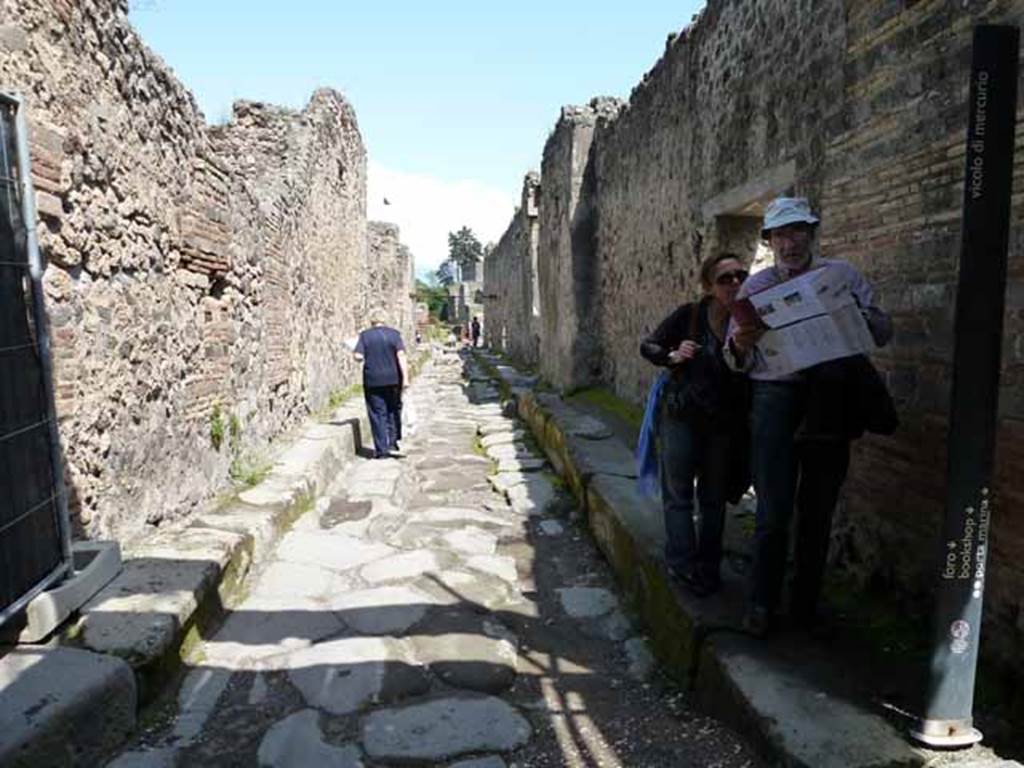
(691, 582)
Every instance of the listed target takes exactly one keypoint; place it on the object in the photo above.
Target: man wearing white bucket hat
(790, 468)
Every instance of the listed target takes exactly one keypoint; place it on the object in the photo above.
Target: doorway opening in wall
(738, 212)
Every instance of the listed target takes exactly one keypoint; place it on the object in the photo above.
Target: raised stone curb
(765, 695)
(175, 585)
(63, 706)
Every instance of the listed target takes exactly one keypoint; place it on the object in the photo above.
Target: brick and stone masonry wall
(195, 275)
(860, 106)
(392, 283)
(511, 307)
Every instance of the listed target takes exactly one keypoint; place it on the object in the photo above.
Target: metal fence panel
(33, 531)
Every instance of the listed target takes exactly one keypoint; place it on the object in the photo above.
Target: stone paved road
(430, 611)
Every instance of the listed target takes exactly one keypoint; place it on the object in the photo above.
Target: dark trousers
(689, 451)
(384, 407)
(791, 474)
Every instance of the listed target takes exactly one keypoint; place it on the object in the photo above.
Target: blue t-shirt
(379, 347)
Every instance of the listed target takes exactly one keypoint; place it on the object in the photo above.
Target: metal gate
(35, 541)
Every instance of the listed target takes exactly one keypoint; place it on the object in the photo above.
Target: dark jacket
(704, 391)
(845, 398)
(705, 387)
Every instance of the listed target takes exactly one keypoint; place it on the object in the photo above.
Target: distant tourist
(701, 425)
(475, 331)
(385, 374)
(800, 430)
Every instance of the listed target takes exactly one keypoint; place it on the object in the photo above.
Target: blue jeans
(788, 474)
(384, 407)
(689, 451)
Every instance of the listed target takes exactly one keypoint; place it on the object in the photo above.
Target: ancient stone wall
(861, 106)
(200, 281)
(570, 337)
(512, 312)
(390, 267)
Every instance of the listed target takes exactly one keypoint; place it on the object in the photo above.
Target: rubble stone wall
(511, 309)
(392, 283)
(200, 280)
(860, 106)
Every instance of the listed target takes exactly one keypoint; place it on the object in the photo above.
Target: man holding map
(800, 313)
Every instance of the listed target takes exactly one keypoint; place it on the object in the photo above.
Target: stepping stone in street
(500, 438)
(469, 660)
(390, 610)
(503, 481)
(407, 565)
(297, 742)
(344, 676)
(443, 729)
(586, 602)
(533, 496)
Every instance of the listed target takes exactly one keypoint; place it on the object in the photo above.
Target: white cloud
(426, 209)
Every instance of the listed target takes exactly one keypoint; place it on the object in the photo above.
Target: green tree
(465, 249)
(446, 273)
(433, 295)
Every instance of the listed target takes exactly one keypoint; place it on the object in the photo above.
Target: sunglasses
(728, 277)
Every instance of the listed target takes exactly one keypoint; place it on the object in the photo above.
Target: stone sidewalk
(792, 698)
(429, 610)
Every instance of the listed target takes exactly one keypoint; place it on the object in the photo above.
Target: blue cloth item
(379, 347)
(647, 445)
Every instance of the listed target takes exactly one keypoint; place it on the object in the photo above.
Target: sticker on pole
(959, 630)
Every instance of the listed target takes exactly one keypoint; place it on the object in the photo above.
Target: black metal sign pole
(981, 292)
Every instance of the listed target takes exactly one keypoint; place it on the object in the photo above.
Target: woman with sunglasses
(702, 425)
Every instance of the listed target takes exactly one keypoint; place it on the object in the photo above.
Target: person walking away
(385, 374)
(796, 463)
(701, 426)
(475, 332)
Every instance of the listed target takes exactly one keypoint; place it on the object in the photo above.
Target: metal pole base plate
(945, 734)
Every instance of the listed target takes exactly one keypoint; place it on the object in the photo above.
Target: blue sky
(454, 98)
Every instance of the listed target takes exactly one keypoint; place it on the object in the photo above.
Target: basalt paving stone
(510, 451)
(503, 481)
(476, 589)
(444, 728)
(500, 438)
(521, 465)
(497, 565)
(297, 742)
(406, 566)
(471, 540)
(587, 602)
(533, 496)
(459, 515)
(347, 675)
(455, 479)
(471, 661)
(388, 610)
(480, 762)
(341, 510)
(335, 552)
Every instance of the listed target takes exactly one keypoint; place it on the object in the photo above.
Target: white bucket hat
(787, 210)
